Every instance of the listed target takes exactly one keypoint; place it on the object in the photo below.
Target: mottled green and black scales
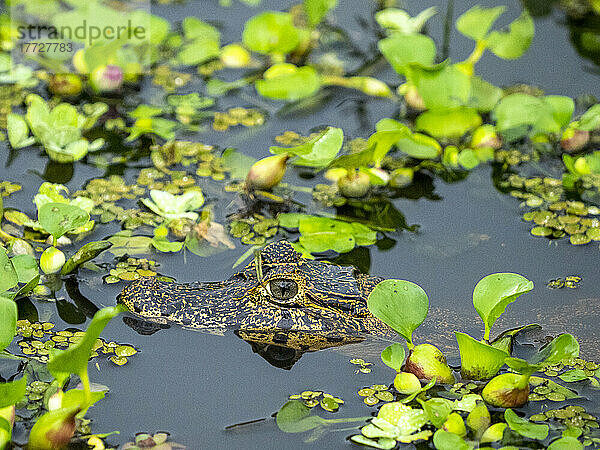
(331, 299)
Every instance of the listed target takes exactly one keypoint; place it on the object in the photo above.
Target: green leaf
(124, 243)
(271, 32)
(448, 123)
(86, 253)
(401, 51)
(301, 82)
(444, 440)
(393, 356)
(383, 140)
(478, 360)
(75, 359)
(437, 410)
(26, 267)
(53, 424)
(477, 21)
(18, 131)
(419, 146)
(198, 52)
(294, 417)
(9, 277)
(590, 120)
(237, 163)
(484, 95)
(573, 375)
(524, 427)
(12, 392)
(513, 43)
(398, 20)
(194, 28)
(445, 86)
(494, 293)
(467, 158)
(317, 152)
(76, 397)
(400, 304)
(566, 443)
(316, 10)
(60, 218)
(562, 347)
(162, 244)
(562, 108)
(8, 322)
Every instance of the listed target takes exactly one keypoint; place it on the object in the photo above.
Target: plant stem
(85, 380)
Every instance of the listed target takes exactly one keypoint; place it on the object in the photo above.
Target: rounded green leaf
(448, 123)
(477, 21)
(294, 417)
(12, 392)
(271, 32)
(8, 275)
(400, 304)
(294, 85)
(393, 356)
(524, 427)
(478, 360)
(419, 146)
(319, 151)
(566, 443)
(403, 50)
(444, 440)
(513, 43)
(8, 321)
(60, 218)
(494, 293)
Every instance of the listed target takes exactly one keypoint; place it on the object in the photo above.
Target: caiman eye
(283, 289)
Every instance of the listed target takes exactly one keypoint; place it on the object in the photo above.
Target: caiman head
(279, 298)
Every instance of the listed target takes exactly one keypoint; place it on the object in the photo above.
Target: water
(194, 384)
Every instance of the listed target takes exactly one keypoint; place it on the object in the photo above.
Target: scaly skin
(329, 308)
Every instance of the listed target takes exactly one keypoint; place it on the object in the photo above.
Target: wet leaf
(393, 356)
(9, 278)
(317, 152)
(288, 82)
(271, 32)
(524, 427)
(437, 410)
(316, 10)
(494, 293)
(12, 392)
(513, 43)
(477, 21)
(124, 243)
(448, 123)
(294, 417)
(419, 146)
(398, 20)
(401, 51)
(400, 304)
(573, 375)
(566, 443)
(8, 321)
(60, 218)
(444, 440)
(237, 163)
(478, 360)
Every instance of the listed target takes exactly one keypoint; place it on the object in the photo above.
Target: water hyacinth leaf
(400, 304)
(26, 268)
(518, 114)
(494, 293)
(393, 356)
(162, 244)
(561, 347)
(445, 86)
(524, 427)
(75, 359)
(448, 123)
(8, 321)
(444, 440)
(194, 28)
(317, 152)
(484, 95)
(316, 10)
(381, 443)
(271, 32)
(400, 21)
(468, 159)
(478, 360)
(60, 218)
(322, 234)
(566, 443)
(237, 163)
(419, 146)
(388, 133)
(513, 43)
(573, 375)
(124, 243)
(198, 51)
(562, 108)
(590, 120)
(477, 21)
(403, 50)
(12, 392)
(18, 131)
(294, 417)
(9, 277)
(296, 84)
(76, 397)
(86, 253)
(437, 410)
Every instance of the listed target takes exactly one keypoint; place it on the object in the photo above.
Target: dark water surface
(193, 384)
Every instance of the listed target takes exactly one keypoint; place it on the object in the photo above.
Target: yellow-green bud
(266, 173)
(354, 184)
(52, 260)
(235, 56)
(509, 390)
(407, 383)
(426, 362)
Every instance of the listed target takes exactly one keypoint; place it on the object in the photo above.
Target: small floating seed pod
(355, 184)
(426, 362)
(266, 173)
(508, 390)
(52, 260)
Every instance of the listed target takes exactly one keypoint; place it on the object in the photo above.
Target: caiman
(280, 298)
